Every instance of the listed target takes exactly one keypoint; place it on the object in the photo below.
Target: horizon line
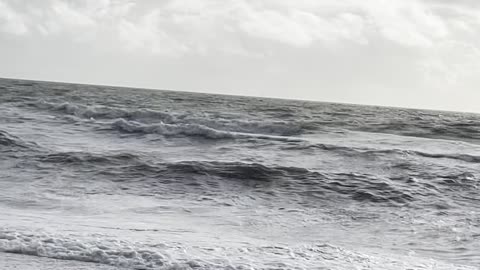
(240, 95)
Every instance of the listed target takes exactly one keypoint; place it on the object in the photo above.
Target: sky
(406, 53)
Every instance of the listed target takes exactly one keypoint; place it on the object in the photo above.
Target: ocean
(98, 177)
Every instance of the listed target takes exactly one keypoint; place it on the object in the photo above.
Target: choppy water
(166, 180)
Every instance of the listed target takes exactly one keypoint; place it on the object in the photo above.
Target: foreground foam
(115, 253)
(128, 255)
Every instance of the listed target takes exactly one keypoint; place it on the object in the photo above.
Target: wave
(369, 152)
(462, 157)
(99, 112)
(200, 176)
(295, 180)
(280, 128)
(433, 127)
(133, 163)
(190, 130)
(172, 129)
(238, 170)
(83, 158)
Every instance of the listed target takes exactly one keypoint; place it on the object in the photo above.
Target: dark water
(147, 179)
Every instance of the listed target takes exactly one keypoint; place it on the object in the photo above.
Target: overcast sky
(409, 53)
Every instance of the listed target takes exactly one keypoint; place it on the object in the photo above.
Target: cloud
(301, 28)
(293, 23)
(440, 36)
(409, 23)
(54, 17)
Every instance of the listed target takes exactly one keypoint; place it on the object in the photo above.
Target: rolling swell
(203, 176)
(277, 181)
(301, 181)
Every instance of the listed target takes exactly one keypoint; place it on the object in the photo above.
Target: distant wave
(369, 152)
(172, 129)
(192, 130)
(434, 128)
(422, 128)
(105, 112)
(280, 128)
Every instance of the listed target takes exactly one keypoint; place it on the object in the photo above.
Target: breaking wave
(192, 130)
(280, 128)
(172, 129)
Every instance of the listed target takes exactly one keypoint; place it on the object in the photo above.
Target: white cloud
(296, 23)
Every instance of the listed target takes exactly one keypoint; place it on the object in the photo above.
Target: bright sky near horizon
(408, 53)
